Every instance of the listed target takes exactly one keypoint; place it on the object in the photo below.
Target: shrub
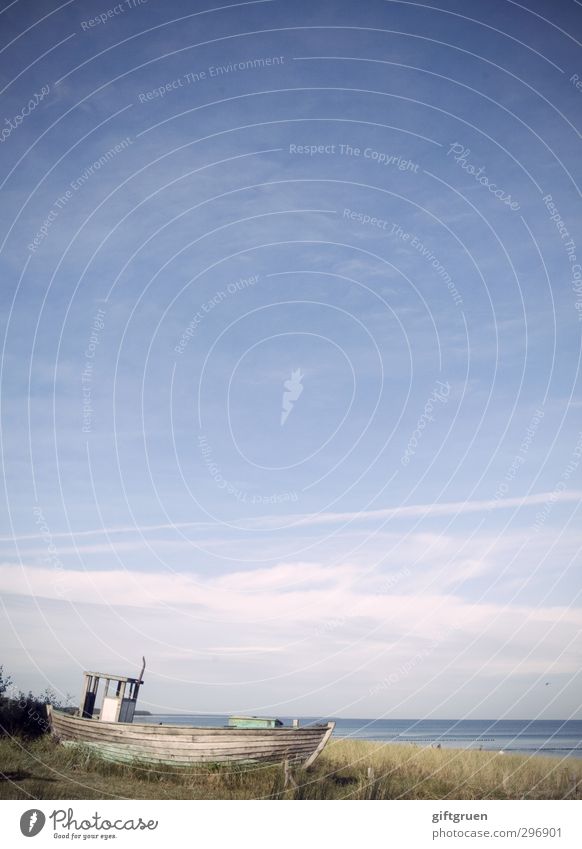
(23, 714)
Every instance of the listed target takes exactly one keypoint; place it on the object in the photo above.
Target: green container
(254, 722)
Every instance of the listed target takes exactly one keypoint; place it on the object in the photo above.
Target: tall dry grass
(411, 772)
(347, 769)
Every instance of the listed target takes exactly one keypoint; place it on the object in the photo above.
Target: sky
(290, 379)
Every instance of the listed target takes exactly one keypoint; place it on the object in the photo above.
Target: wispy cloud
(412, 511)
(287, 592)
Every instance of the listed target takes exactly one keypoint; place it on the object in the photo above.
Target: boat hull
(184, 745)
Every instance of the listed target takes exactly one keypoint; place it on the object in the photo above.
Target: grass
(42, 769)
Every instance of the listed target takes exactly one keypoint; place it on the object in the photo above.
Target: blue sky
(363, 215)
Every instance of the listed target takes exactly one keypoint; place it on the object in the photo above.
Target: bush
(23, 714)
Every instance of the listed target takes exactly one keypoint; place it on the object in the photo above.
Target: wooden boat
(114, 735)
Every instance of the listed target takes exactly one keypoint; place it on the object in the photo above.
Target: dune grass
(347, 769)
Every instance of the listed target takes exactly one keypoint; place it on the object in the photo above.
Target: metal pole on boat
(139, 681)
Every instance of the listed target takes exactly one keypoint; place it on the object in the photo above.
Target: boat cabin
(119, 698)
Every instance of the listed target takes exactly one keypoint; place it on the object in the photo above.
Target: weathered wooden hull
(185, 745)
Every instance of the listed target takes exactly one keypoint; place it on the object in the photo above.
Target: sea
(556, 738)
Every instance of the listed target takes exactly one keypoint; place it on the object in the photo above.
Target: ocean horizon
(550, 737)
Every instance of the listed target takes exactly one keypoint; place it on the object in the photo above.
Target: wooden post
(288, 777)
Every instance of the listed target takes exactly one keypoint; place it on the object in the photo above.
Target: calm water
(542, 737)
